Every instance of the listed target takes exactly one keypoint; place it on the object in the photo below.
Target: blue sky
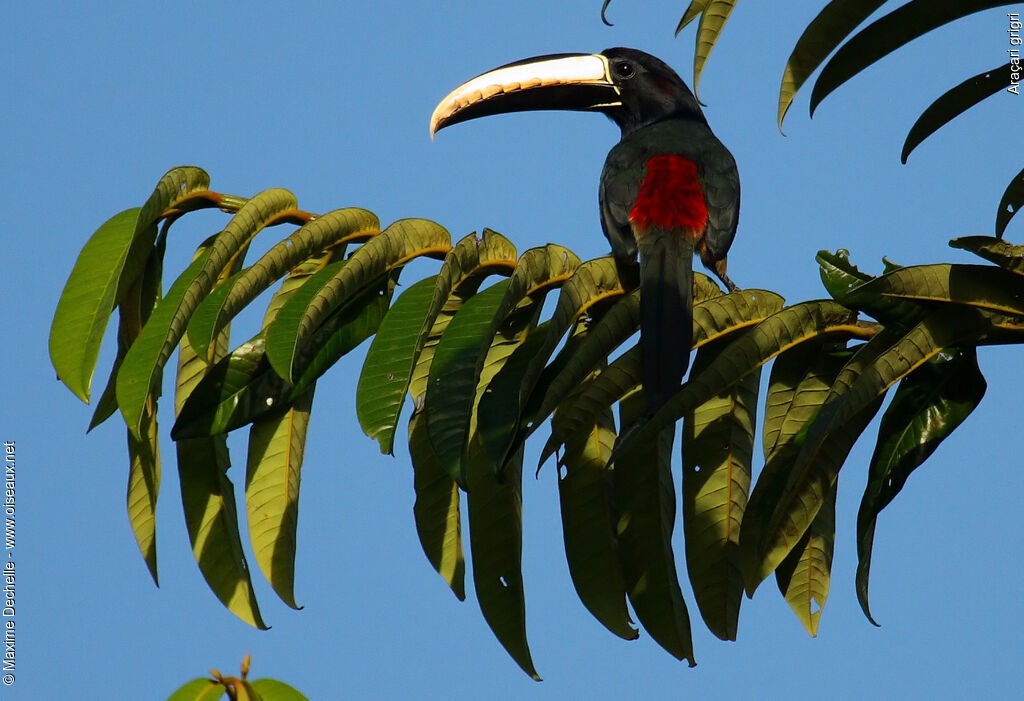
(331, 100)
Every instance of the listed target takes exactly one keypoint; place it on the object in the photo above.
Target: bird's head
(632, 87)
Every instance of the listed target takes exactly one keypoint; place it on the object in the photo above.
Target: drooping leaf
(144, 487)
(496, 542)
(885, 35)
(243, 386)
(437, 496)
(389, 363)
(773, 331)
(277, 444)
(928, 406)
(468, 355)
(436, 510)
(806, 573)
(695, 8)
(862, 383)
(718, 447)
(140, 372)
(953, 103)
(334, 229)
(208, 500)
(825, 32)
(646, 502)
(87, 301)
(712, 22)
(451, 386)
(1010, 203)
(980, 286)
(394, 354)
(1003, 254)
(589, 526)
(392, 248)
(107, 266)
(577, 360)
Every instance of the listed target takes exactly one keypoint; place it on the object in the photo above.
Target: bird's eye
(624, 69)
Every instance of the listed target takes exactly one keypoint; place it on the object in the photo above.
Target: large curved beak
(555, 82)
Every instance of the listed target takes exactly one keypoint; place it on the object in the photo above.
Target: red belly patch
(670, 197)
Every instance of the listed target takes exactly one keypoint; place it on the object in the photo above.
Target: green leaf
(107, 266)
(806, 573)
(1000, 252)
(695, 8)
(277, 444)
(389, 362)
(1010, 203)
(392, 364)
(929, 405)
(144, 487)
(274, 690)
(712, 22)
(208, 499)
(202, 689)
(140, 373)
(862, 383)
(645, 498)
(496, 541)
(718, 447)
(332, 230)
(589, 526)
(243, 386)
(436, 510)
(980, 286)
(825, 32)
(394, 247)
(844, 280)
(87, 301)
(713, 319)
(453, 378)
(885, 35)
(954, 102)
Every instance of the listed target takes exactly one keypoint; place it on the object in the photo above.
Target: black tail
(666, 312)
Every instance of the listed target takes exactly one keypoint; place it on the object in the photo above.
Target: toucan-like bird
(669, 186)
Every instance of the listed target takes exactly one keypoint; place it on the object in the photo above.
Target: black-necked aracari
(669, 186)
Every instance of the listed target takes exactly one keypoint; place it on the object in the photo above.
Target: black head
(649, 90)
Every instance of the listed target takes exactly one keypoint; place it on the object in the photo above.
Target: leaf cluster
(471, 350)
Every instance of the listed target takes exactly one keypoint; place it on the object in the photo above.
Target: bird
(668, 188)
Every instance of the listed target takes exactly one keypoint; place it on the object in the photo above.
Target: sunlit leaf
(436, 510)
(885, 35)
(274, 690)
(646, 502)
(928, 406)
(718, 447)
(712, 22)
(998, 251)
(825, 32)
(589, 525)
(695, 8)
(333, 229)
(496, 541)
(139, 376)
(202, 689)
(277, 444)
(392, 248)
(862, 382)
(980, 286)
(953, 103)
(806, 573)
